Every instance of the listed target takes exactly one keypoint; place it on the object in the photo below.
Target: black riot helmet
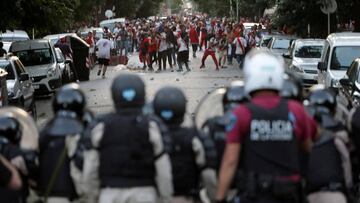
(88, 117)
(292, 87)
(128, 91)
(234, 95)
(71, 99)
(322, 97)
(322, 106)
(10, 128)
(170, 105)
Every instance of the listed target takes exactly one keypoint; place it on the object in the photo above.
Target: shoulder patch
(231, 122)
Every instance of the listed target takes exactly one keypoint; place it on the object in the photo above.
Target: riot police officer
(191, 160)
(329, 174)
(19, 146)
(215, 127)
(58, 140)
(292, 87)
(128, 161)
(270, 131)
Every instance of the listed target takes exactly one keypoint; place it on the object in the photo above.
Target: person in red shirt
(90, 41)
(152, 50)
(203, 34)
(265, 137)
(143, 51)
(194, 39)
(210, 51)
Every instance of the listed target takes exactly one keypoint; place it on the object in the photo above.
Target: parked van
(40, 61)
(340, 50)
(111, 23)
(10, 36)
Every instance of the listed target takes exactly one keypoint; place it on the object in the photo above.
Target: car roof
(310, 42)
(115, 20)
(344, 39)
(30, 45)
(14, 35)
(285, 37)
(58, 36)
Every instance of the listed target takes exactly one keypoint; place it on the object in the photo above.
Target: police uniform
(328, 179)
(18, 145)
(127, 161)
(264, 137)
(58, 143)
(191, 160)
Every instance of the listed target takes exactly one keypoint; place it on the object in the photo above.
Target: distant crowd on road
(168, 42)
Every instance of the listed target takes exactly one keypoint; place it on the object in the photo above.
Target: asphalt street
(195, 84)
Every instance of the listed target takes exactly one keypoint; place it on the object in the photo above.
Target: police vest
(271, 147)
(51, 148)
(217, 133)
(325, 165)
(126, 154)
(184, 168)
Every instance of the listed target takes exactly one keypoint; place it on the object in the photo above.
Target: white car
(340, 50)
(303, 58)
(40, 61)
(10, 36)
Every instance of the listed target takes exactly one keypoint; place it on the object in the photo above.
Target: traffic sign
(328, 6)
(109, 14)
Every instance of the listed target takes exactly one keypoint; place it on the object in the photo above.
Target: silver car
(40, 60)
(303, 58)
(280, 44)
(18, 82)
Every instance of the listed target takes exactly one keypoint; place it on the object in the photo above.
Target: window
(308, 51)
(18, 68)
(35, 57)
(59, 56)
(6, 65)
(281, 44)
(343, 57)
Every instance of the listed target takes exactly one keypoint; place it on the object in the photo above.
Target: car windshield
(343, 57)
(6, 65)
(12, 39)
(265, 41)
(281, 44)
(308, 51)
(35, 57)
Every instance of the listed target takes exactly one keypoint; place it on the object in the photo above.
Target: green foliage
(297, 14)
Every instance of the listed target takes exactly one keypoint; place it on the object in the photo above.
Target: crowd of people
(169, 42)
(266, 146)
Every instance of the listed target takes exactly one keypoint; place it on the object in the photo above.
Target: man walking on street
(240, 48)
(104, 45)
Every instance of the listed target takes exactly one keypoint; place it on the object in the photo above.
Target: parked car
(67, 75)
(99, 32)
(40, 60)
(280, 44)
(265, 40)
(19, 84)
(340, 50)
(302, 59)
(10, 36)
(112, 22)
(349, 91)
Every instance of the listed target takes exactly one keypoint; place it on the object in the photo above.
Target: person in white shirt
(183, 54)
(104, 46)
(240, 45)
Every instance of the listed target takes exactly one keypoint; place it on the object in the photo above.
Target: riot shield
(209, 107)
(30, 133)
